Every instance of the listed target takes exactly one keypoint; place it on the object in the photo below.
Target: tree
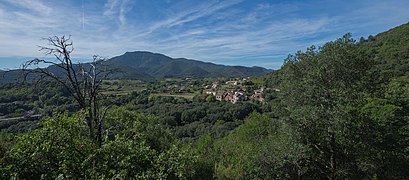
(261, 148)
(210, 98)
(82, 81)
(383, 131)
(317, 88)
(136, 147)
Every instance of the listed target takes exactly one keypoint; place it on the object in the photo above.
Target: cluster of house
(236, 95)
(236, 82)
(233, 96)
(258, 95)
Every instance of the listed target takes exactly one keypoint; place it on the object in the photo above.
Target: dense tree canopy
(62, 148)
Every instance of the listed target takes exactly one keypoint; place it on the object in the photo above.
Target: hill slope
(161, 66)
(390, 50)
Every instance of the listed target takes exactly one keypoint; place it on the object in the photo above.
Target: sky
(231, 32)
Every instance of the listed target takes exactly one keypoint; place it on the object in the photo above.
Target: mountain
(149, 66)
(10, 76)
(156, 65)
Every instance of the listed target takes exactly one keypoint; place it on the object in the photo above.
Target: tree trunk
(99, 135)
(89, 123)
(333, 165)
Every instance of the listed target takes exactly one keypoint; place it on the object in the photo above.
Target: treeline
(191, 119)
(20, 101)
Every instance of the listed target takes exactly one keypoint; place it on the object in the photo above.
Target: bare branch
(82, 83)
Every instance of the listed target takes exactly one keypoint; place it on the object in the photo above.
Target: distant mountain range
(153, 65)
(149, 66)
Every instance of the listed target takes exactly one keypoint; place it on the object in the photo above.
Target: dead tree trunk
(82, 83)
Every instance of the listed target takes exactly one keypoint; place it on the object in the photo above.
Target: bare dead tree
(82, 81)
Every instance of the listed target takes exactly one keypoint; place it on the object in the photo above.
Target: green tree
(210, 98)
(317, 88)
(59, 147)
(261, 148)
(134, 149)
(383, 134)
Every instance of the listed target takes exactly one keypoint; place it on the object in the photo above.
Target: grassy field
(122, 87)
(184, 95)
(125, 87)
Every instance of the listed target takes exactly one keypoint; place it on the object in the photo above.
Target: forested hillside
(340, 111)
(161, 66)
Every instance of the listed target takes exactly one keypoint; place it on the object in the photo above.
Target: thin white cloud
(216, 31)
(33, 5)
(191, 14)
(110, 7)
(117, 9)
(204, 12)
(375, 15)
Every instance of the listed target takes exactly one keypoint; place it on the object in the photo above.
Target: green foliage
(390, 52)
(123, 123)
(62, 148)
(349, 104)
(57, 148)
(384, 132)
(261, 148)
(7, 141)
(193, 119)
(125, 158)
(19, 101)
(210, 98)
(317, 88)
(204, 148)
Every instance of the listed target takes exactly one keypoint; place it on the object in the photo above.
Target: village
(235, 91)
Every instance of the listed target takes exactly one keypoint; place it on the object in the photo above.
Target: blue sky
(232, 32)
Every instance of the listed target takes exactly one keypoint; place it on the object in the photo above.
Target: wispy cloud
(110, 7)
(234, 32)
(191, 14)
(32, 5)
(118, 9)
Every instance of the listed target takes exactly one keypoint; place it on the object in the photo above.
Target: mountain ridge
(148, 66)
(161, 66)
